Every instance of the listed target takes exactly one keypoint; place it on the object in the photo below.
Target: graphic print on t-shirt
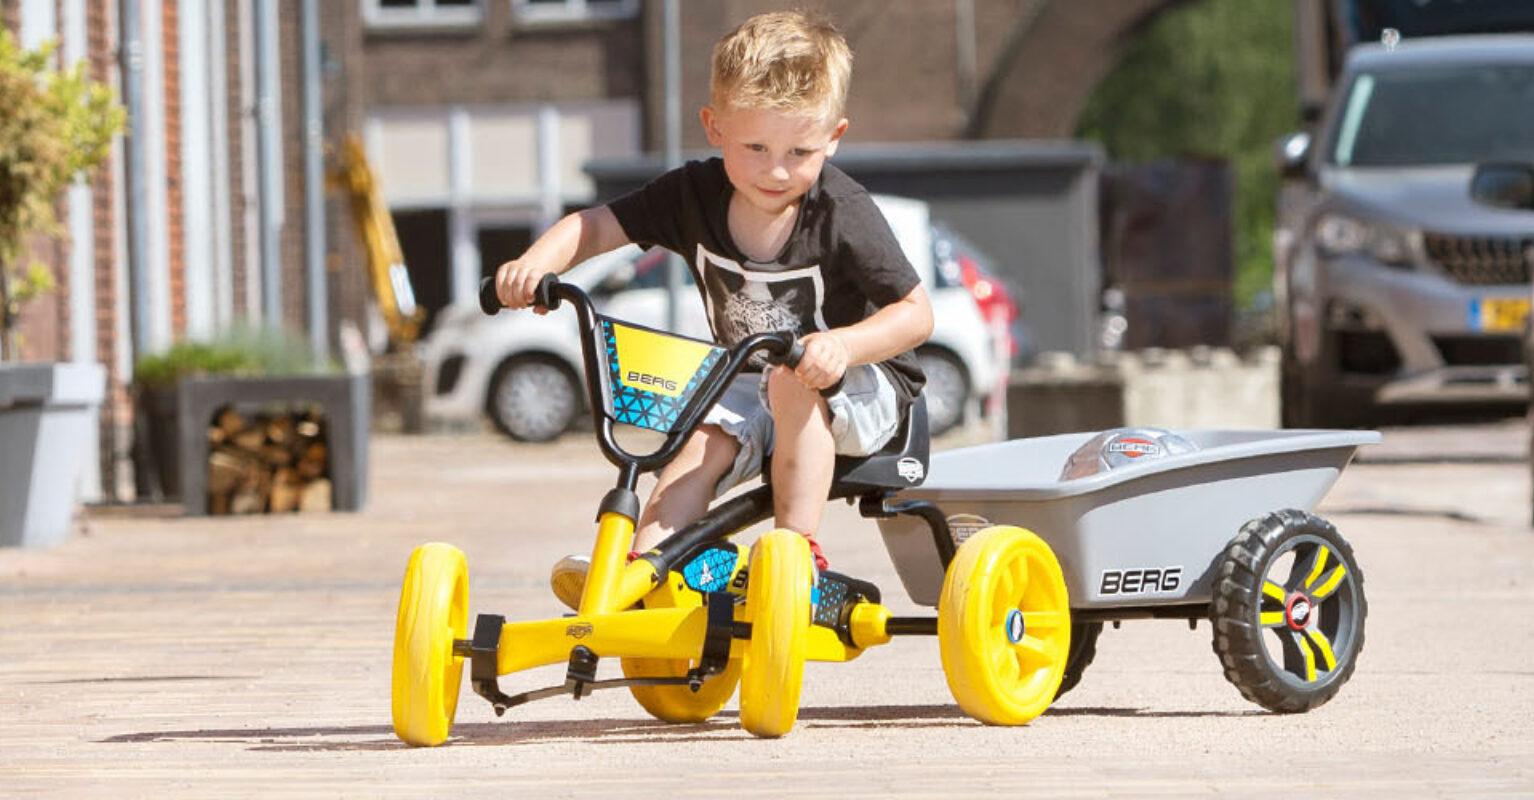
(742, 302)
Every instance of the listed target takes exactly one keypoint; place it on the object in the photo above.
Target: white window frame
(573, 11)
(426, 14)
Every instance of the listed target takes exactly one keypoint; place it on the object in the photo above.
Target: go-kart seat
(900, 465)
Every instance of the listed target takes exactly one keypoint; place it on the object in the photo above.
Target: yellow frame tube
(610, 625)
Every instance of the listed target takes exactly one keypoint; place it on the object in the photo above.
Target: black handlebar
(545, 296)
(779, 348)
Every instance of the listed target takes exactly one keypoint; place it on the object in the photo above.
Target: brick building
(478, 116)
(178, 235)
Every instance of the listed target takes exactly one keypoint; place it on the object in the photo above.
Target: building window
(422, 13)
(573, 10)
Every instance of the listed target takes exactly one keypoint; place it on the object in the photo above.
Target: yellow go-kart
(699, 615)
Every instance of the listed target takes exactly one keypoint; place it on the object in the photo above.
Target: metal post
(314, 185)
(673, 81)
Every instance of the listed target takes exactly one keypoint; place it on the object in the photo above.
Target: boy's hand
(824, 362)
(516, 283)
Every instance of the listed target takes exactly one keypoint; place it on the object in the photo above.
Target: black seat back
(900, 465)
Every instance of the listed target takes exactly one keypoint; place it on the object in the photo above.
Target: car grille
(1479, 351)
(1481, 260)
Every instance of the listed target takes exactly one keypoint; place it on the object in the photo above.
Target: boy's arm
(892, 330)
(570, 241)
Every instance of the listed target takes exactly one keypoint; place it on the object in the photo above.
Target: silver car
(1395, 288)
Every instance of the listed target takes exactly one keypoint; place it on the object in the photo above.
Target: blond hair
(790, 61)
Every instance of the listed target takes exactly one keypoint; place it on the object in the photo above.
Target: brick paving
(156, 655)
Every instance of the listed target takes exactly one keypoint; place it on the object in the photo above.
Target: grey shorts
(864, 417)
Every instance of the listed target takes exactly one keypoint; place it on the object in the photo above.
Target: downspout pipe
(269, 155)
(134, 146)
(314, 184)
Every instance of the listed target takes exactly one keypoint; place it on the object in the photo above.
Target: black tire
(533, 398)
(947, 388)
(1318, 395)
(1083, 650)
(1317, 629)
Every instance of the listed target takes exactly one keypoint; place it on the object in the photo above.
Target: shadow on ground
(609, 730)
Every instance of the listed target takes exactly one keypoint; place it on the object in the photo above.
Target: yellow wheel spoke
(1045, 620)
(1324, 647)
(1331, 582)
(1006, 586)
(1270, 619)
(1309, 654)
(1320, 564)
(1273, 590)
(1034, 652)
(1004, 662)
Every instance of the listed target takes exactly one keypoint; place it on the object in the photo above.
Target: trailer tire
(1083, 650)
(1316, 615)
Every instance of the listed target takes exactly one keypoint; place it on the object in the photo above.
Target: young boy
(777, 240)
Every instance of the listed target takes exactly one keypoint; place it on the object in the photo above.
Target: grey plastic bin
(1176, 512)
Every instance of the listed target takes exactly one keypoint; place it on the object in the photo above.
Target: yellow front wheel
(433, 611)
(1004, 626)
(778, 599)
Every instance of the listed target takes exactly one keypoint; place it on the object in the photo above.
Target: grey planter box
(48, 418)
(345, 399)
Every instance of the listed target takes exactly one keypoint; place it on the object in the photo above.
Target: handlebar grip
(489, 301)
(792, 358)
(794, 355)
(543, 294)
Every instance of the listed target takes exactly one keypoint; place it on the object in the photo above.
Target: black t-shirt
(839, 266)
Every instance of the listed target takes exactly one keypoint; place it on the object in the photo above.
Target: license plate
(1499, 314)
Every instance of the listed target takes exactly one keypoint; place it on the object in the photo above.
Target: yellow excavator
(397, 372)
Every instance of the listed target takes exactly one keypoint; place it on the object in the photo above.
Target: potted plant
(55, 125)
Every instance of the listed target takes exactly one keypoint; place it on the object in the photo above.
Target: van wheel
(947, 389)
(533, 398)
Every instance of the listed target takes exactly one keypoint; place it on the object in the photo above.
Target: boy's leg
(682, 494)
(686, 485)
(803, 456)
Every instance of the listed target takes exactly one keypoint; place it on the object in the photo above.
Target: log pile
(268, 462)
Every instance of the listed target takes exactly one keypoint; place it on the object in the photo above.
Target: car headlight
(1341, 235)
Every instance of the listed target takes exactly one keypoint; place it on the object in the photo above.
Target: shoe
(568, 580)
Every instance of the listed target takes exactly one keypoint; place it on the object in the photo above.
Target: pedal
(715, 568)
(836, 593)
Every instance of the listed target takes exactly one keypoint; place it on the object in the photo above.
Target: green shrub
(238, 353)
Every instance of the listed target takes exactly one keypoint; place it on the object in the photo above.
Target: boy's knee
(784, 391)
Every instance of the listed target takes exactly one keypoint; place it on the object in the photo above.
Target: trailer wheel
(1288, 611)
(433, 611)
(1083, 650)
(778, 600)
(1004, 626)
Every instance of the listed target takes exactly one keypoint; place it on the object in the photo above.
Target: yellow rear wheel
(778, 600)
(1004, 626)
(433, 611)
(679, 703)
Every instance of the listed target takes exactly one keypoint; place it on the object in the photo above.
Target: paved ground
(153, 655)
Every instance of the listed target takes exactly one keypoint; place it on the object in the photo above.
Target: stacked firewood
(267, 462)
